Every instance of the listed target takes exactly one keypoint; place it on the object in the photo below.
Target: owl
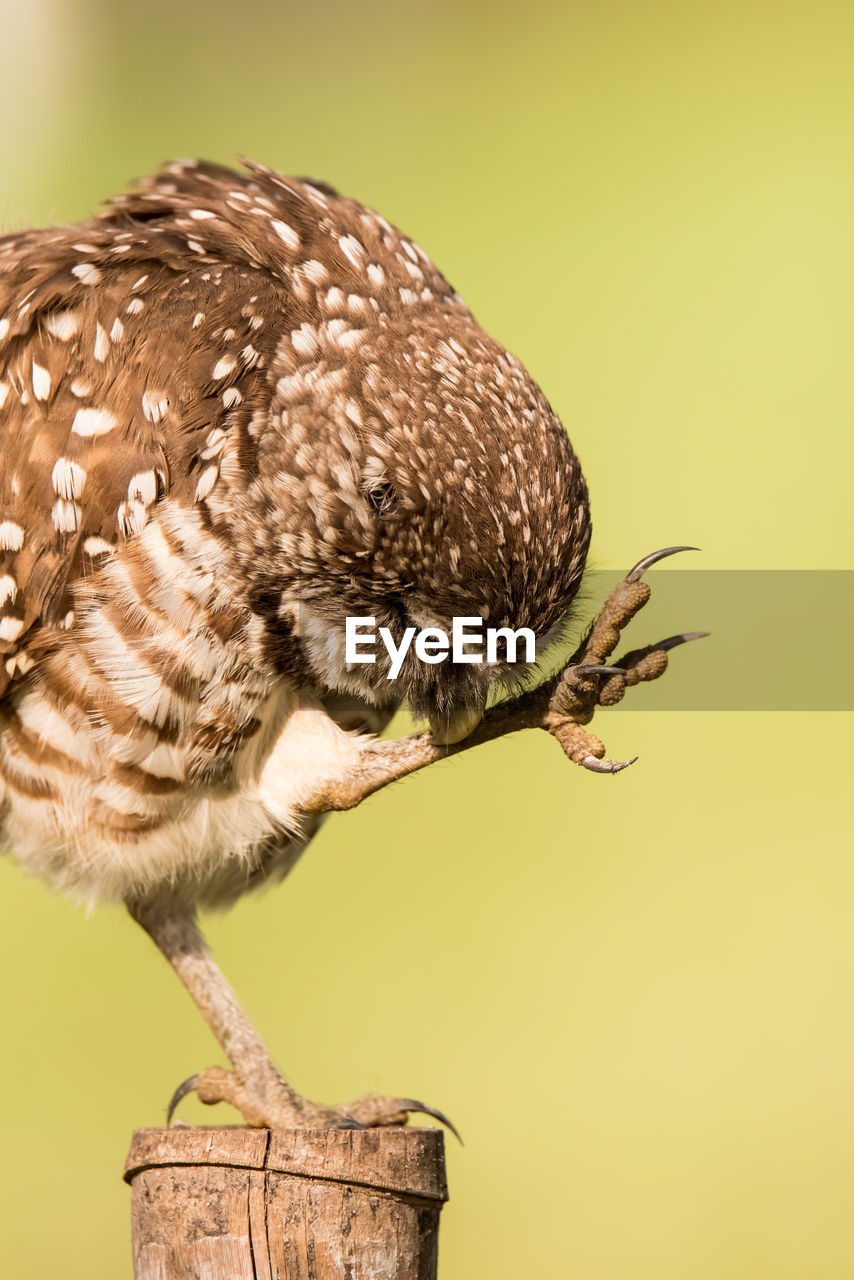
(237, 410)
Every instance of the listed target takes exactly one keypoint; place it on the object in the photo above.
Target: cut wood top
(400, 1160)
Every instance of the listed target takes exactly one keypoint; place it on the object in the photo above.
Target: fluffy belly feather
(88, 834)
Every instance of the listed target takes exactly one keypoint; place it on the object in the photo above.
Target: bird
(236, 409)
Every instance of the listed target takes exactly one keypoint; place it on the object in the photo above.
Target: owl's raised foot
(275, 1105)
(591, 680)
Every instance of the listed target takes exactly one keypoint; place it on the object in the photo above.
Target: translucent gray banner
(781, 640)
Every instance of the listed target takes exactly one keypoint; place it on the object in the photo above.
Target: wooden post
(286, 1204)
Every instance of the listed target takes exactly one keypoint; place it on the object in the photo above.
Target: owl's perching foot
(254, 1086)
(273, 1104)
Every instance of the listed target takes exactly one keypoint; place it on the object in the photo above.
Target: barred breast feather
(147, 738)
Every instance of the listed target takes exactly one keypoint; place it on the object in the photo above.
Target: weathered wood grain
(286, 1204)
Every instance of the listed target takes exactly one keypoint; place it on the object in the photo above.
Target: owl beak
(445, 731)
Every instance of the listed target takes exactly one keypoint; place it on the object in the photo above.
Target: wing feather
(131, 365)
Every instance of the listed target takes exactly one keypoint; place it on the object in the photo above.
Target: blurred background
(634, 995)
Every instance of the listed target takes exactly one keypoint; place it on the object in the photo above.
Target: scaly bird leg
(254, 1085)
(562, 705)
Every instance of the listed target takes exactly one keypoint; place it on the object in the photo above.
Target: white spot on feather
(93, 422)
(67, 478)
(86, 273)
(10, 628)
(154, 405)
(11, 536)
(102, 343)
(215, 442)
(352, 249)
(19, 664)
(41, 382)
(352, 338)
(143, 486)
(66, 516)
(8, 589)
(286, 233)
(314, 271)
(97, 547)
(223, 367)
(304, 340)
(207, 480)
(132, 518)
(62, 324)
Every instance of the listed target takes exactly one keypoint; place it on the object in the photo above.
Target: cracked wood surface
(225, 1203)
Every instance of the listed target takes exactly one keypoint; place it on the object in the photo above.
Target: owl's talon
(683, 638)
(640, 665)
(420, 1108)
(605, 766)
(375, 1112)
(635, 574)
(187, 1086)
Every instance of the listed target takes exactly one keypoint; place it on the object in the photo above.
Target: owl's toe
(374, 1112)
(275, 1105)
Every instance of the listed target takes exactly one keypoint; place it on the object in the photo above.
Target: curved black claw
(411, 1104)
(181, 1092)
(635, 574)
(629, 660)
(683, 638)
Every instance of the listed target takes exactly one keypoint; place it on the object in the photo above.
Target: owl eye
(382, 497)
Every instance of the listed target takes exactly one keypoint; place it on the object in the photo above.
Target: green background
(634, 995)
